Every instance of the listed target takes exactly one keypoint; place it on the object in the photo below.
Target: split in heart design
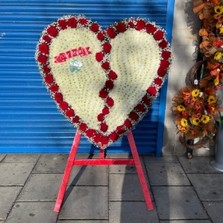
(104, 81)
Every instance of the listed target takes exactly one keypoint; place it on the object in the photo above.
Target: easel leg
(67, 172)
(140, 172)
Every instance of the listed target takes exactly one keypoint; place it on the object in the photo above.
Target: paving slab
(41, 187)
(178, 203)
(29, 212)
(208, 186)
(14, 173)
(80, 221)
(51, 163)
(215, 210)
(163, 159)
(85, 202)
(122, 169)
(7, 198)
(131, 212)
(187, 221)
(163, 173)
(89, 175)
(197, 165)
(21, 158)
(125, 187)
(54, 163)
(2, 156)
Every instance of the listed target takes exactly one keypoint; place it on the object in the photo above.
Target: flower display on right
(197, 106)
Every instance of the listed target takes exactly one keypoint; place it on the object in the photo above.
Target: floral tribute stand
(103, 81)
(72, 161)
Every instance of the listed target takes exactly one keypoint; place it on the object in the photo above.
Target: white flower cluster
(135, 57)
(80, 89)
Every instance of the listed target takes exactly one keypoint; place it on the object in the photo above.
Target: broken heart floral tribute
(103, 81)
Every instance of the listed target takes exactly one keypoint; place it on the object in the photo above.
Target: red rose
(133, 116)
(97, 137)
(70, 113)
(112, 75)
(140, 25)
(83, 21)
(150, 28)
(72, 22)
(46, 38)
(104, 140)
(94, 27)
(90, 133)
(105, 65)
(99, 56)
(44, 48)
(111, 32)
(158, 81)
(146, 100)
(105, 110)
(152, 91)
(46, 69)
(63, 105)
(103, 93)
(121, 27)
(131, 24)
(58, 97)
(100, 36)
(113, 136)
(161, 72)
(166, 55)
(109, 101)
(128, 123)
(140, 107)
(101, 117)
(54, 88)
(164, 64)
(163, 44)
(158, 35)
(42, 58)
(52, 31)
(76, 119)
(107, 47)
(49, 79)
(62, 24)
(109, 84)
(103, 127)
(83, 127)
(120, 130)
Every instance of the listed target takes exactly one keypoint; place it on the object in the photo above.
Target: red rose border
(101, 138)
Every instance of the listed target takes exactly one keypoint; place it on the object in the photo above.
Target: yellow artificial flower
(216, 81)
(180, 108)
(205, 119)
(195, 121)
(221, 30)
(218, 9)
(195, 93)
(211, 99)
(184, 122)
(218, 56)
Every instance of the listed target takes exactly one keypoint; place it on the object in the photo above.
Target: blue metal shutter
(29, 119)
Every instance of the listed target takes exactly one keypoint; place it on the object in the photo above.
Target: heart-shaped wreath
(103, 81)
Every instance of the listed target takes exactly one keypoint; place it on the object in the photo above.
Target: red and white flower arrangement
(121, 70)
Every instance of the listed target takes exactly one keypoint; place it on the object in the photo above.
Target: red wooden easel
(103, 161)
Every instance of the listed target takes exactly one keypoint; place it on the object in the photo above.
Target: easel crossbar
(106, 161)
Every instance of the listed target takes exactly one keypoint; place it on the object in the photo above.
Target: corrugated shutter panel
(29, 119)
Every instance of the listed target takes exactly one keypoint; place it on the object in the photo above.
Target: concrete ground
(183, 191)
